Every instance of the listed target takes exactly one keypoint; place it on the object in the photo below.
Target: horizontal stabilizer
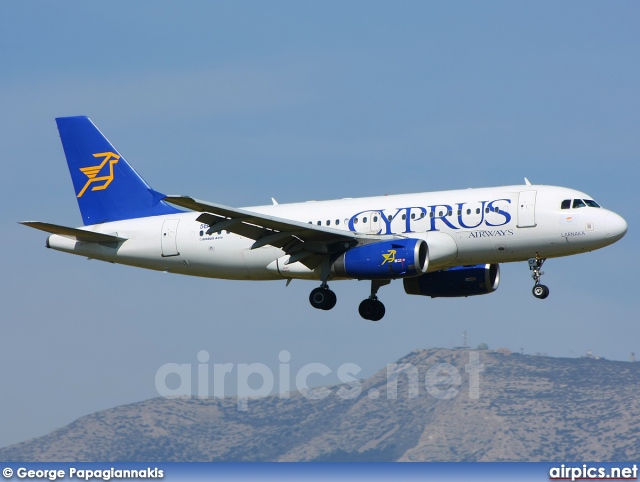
(73, 233)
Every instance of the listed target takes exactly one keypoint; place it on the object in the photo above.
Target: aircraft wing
(74, 233)
(304, 242)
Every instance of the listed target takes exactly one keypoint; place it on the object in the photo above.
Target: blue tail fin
(107, 187)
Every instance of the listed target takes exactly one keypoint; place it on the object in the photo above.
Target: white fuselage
(462, 227)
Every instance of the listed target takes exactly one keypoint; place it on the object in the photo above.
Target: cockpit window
(578, 203)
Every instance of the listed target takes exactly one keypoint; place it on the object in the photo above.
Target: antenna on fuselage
(526, 181)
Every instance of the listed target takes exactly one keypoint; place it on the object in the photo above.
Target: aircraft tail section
(106, 186)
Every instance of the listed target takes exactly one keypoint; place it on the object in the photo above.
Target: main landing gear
(539, 291)
(323, 298)
(372, 309)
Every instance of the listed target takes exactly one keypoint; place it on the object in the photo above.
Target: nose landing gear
(540, 291)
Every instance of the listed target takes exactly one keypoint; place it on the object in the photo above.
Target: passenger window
(486, 210)
(468, 211)
(459, 212)
(201, 233)
(404, 216)
(440, 214)
(432, 214)
(364, 220)
(375, 219)
(495, 210)
(578, 203)
(421, 215)
(477, 210)
(390, 217)
(319, 223)
(449, 213)
(337, 222)
(566, 204)
(355, 221)
(328, 223)
(413, 215)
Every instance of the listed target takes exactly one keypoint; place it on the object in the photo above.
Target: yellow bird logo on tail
(92, 172)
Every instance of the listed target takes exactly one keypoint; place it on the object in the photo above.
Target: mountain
(522, 408)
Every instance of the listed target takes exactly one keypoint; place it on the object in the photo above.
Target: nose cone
(615, 226)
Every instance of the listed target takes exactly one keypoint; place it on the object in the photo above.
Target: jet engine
(453, 282)
(383, 260)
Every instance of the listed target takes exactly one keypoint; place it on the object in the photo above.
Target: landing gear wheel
(371, 309)
(331, 300)
(322, 298)
(379, 313)
(540, 291)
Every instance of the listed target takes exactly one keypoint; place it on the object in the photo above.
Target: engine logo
(389, 257)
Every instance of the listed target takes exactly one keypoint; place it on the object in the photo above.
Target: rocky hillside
(524, 408)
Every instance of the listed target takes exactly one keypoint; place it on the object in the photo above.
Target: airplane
(441, 244)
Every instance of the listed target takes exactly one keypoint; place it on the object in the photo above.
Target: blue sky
(236, 102)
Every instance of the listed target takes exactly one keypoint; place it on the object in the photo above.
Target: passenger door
(527, 209)
(169, 235)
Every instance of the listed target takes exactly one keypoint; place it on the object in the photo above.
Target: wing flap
(74, 233)
(233, 225)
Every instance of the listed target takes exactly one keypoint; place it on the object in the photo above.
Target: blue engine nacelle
(383, 260)
(459, 281)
